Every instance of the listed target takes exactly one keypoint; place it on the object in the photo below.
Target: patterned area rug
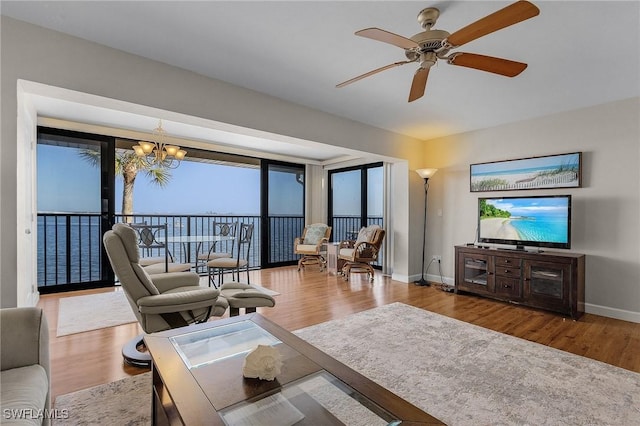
(459, 373)
(468, 375)
(92, 312)
(124, 402)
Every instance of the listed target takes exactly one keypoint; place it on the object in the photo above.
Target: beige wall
(36, 54)
(606, 210)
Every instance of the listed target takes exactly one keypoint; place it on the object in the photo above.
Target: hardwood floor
(309, 297)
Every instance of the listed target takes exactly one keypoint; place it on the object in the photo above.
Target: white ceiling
(579, 54)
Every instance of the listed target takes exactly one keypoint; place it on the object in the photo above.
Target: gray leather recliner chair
(162, 301)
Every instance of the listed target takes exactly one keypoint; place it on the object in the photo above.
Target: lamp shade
(426, 173)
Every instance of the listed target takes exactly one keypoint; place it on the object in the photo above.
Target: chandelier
(159, 153)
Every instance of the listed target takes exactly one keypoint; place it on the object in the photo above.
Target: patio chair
(309, 245)
(152, 240)
(160, 302)
(220, 249)
(358, 255)
(234, 264)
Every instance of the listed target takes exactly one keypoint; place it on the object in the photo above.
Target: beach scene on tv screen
(525, 219)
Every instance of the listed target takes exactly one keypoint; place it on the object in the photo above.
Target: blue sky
(530, 206)
(68, 183)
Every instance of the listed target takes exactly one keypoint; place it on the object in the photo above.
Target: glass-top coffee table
(197, 380)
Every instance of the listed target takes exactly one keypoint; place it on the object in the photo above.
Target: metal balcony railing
(70, 244)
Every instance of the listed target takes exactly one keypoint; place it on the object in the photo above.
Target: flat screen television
(535, 221)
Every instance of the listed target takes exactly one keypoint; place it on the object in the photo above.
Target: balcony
(70, 245)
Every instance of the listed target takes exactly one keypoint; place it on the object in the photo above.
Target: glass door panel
(284, 185)
(356, 199)
(74, 209)
(346, 203)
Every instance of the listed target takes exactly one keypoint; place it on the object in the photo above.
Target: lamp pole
(425, 174)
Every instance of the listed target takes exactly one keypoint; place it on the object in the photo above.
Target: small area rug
(460, 373)
(92, 312)
(124, 402)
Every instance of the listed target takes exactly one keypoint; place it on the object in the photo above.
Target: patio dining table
(187, 240)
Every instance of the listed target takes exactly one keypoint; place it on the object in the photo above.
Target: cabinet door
(475, 273)
(546, 285)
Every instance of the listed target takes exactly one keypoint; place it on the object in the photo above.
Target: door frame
(264, 210)
(107, 204)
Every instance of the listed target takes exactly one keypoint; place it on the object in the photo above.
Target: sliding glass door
(75, 207)
(282, 211)
(356, 199)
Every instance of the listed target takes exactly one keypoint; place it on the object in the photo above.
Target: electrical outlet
(436, 258)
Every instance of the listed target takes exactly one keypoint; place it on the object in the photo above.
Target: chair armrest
(171, 280)
(24, 338)
(323, 240)
(365, 250)
(177, 302)
(346, 244)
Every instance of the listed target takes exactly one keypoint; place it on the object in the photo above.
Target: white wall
(606, 210)
(37, 54)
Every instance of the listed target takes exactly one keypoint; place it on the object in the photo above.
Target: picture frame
(544, 172)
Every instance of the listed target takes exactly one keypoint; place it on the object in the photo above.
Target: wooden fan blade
(488, 63)
(387, 37)
(377, 70)
(512, 14)
(419, 84)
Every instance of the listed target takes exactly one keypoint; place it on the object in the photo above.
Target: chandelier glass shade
(158, 153)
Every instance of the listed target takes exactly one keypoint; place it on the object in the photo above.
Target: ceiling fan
(430, 45)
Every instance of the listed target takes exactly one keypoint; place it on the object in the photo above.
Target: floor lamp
(424, 174)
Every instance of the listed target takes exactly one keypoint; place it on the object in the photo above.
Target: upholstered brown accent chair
(159, 302)
(310, 244)
(358, 255)
(155, 255)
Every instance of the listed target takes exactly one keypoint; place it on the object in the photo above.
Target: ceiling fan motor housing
(429, 41)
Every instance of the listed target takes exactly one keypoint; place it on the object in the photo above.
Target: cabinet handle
(506, 271)
(506, 286)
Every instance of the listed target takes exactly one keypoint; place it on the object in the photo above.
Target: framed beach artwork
(549, 171)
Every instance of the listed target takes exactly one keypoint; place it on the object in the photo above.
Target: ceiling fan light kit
(430, 45)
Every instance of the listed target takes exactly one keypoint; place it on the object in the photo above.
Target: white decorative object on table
(264, 362)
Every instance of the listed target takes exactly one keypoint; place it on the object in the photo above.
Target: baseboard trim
(606, 311)
(429, 277)
(401, 278)
(590, 308)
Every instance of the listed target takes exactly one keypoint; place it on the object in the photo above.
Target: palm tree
(128, 164)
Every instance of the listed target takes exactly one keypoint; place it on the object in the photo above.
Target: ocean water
(542, 227)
